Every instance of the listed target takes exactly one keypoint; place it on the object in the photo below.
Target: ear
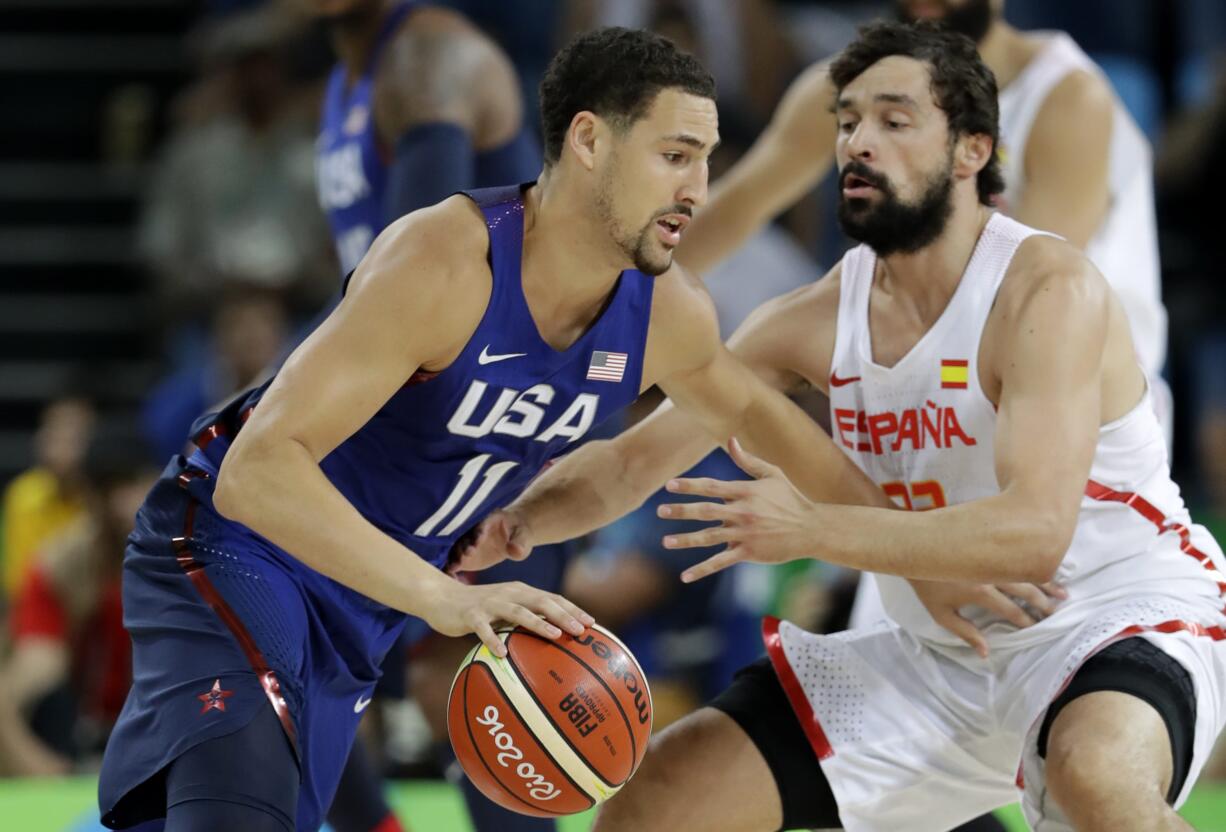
(585, 131)
(972, 154)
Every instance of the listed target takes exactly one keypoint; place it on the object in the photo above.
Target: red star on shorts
(215, 698)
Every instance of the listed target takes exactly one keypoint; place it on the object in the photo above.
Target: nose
(693, 191)
(861, 144)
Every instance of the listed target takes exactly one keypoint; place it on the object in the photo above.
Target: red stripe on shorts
(792, 687)
(195, 571)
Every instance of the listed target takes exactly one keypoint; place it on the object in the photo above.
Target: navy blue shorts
(224, 624)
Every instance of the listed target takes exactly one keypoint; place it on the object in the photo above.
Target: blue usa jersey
(447, 449)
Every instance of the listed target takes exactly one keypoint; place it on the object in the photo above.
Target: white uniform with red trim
(915, 731)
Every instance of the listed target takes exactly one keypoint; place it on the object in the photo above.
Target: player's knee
(641, 805)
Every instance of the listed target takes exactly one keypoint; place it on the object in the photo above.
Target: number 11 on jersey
(472, 469)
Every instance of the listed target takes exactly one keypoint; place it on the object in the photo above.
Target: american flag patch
(607, 366)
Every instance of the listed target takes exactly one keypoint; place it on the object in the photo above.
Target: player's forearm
(277, 489)
(993, 540)
(777, 430)
(606, 480)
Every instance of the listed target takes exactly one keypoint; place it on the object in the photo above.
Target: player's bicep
(1049, 412)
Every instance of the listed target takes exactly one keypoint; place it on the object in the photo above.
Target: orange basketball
(554, 728)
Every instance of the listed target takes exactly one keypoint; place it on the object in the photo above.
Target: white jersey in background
(913, 729)
(1125, 246)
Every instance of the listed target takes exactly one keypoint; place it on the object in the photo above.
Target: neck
(353, 36)
(569, 265)
(1006, 51)
(929, 277)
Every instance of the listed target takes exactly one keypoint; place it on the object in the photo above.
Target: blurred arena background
(161, 242)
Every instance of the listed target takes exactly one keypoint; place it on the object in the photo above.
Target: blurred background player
(420, 105)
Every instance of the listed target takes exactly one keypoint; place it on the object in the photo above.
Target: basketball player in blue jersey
(480, 338)
(420, 105)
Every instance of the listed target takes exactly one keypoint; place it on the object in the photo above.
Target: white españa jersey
(924, 430)
(913, 729)
(1125, 246)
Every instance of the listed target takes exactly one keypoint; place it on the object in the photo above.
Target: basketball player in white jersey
(985, 371)
(1074, 161)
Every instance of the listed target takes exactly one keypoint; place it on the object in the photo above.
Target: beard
(892, 226)
(636, 247)
(973, 18)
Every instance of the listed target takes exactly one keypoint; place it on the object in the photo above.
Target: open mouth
(670, 227)
(857, 186)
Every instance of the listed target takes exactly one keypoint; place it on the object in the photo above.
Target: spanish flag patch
(954, 374)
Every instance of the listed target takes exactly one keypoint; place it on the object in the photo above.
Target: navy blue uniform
(222, 620)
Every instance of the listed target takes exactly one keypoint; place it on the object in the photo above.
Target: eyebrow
(692, 141)
(884, 97)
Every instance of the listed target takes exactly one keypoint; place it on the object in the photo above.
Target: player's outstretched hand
(499, 536)
(764, 520)
(1019, 604)
(459, 609)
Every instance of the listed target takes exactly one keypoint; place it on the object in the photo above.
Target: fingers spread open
(695, 511)
(711, 565)
(713, 536)
(707, 487)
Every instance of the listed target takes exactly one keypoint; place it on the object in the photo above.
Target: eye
(895, 125)
(847, 126)
(673, 157)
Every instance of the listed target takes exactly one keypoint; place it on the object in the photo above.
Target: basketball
(555, 727)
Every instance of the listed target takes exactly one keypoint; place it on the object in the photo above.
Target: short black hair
(961, 83)
(616, 74)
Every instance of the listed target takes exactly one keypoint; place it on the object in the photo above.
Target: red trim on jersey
(202, 439)
(1098, 491)
(195, 571)
(796, 694)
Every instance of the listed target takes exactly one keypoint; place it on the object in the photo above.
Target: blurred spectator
(250, 331)
(44, 500)
(233, 194)
(65, 681)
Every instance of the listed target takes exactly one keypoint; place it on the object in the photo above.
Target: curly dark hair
(614, 73)
(961, 83)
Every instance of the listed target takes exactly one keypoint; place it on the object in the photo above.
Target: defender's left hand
(765, 520)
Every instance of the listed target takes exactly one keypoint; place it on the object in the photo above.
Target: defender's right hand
(458, 609)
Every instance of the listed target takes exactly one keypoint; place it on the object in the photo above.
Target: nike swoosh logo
(361, 704)
(835, 381)
(486, 358)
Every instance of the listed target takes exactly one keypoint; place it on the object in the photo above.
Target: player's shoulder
(1054, 269)
(432, 42)
(1081, 96)
(435, 252)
